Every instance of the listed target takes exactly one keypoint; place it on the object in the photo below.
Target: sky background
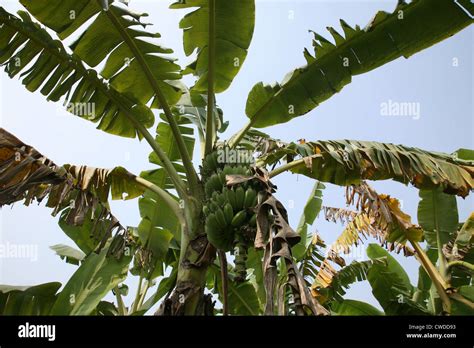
(439, 79)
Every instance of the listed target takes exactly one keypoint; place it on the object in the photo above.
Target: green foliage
(391, 285)
(231, 207)
(409, 29)
(353, 307)
(24, 300)
(348, 162)
(438, 216)
(97, 275)
(234, 24)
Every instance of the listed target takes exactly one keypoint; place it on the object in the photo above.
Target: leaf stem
(111, 94)
(290, 165)
(210, 127)
(120, 304)
(433, 273)
(235, 140)
(185, 156)
(463, 264)
(167, 165)
(174, 206)
(224, 281)
(137, 295)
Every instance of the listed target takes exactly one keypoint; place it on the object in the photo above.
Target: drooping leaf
(353, 307)
(97, 275)
(438, 216)
(134, 65)
(28, 300)
(234, 24)
(347, 162)
(69, 254)
(80, 193)
(60, 75)
(378, 216)
(409, 29)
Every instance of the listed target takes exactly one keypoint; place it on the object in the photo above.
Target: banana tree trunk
(196, 255)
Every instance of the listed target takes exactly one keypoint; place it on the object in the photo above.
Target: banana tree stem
(210, 128)
(434, 275)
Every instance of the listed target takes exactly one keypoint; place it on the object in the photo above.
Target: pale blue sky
(443, 91)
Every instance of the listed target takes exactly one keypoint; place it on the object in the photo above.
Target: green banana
(239, 218)
(212, 226)
(240, 195)
(221, 218)
(228, 213)
(230, 195)
(250, 198)
(253, 220)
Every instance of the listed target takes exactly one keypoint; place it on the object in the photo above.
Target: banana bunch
(229, 211)
(216, 182)
(210, 164)
(226, 213)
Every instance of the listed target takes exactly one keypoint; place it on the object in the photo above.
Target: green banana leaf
(391, 285)
(459, 308)
(135, 67)
(97, 275)
(69, 254)
(438, 216)
(28, 300)
(60, 75)
(353, 307)
(347, 162)
(234, 25)
(409, 29)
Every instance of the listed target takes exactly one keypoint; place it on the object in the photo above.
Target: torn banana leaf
(59, 75)
(409, 29)
(80, 193)
(346, 162)
(134, 65)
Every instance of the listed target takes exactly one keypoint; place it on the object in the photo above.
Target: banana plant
(218, 228)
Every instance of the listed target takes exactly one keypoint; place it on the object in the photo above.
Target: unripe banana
(239, 218)
(221, 218)
(212, 226)
(228, 213)
(240, 196)
(253, 220)
(250, 198)
(230, 195)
